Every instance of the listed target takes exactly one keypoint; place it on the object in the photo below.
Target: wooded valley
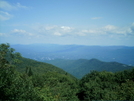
(23, 79)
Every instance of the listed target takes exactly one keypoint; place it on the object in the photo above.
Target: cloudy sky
(84, 22)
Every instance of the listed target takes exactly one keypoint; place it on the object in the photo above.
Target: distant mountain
(80, 67)
(42, 52)
(38, 81)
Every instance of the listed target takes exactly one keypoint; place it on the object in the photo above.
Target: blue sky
(84, 22)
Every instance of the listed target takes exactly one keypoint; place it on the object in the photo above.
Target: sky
(82, 22)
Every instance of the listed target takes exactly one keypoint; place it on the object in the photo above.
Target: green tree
(7, 56)
(13, 85)
(29, 71)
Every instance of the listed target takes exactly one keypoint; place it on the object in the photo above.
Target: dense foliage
(24, 79)
(107, 86)
(35, 81)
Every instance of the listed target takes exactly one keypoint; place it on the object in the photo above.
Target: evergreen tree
(29, 71)
(13, 85)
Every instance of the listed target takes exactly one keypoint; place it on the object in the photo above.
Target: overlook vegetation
(107, 86)
(23, 79)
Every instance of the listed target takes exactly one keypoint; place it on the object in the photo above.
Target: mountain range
(81, 67)
(27, 79)
(43, 52)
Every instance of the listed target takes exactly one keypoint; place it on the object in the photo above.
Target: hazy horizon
(67, 22)
(68, 44)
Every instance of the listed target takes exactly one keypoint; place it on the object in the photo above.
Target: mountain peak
(94, 60)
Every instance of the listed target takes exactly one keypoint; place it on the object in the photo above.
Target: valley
(27, 79)
(43, 52)
(81, 67)
(79, 60)
(66, 50)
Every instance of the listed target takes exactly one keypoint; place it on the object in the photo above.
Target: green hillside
(81, 67)
(107, 86)
(37, 67)
(37, 81)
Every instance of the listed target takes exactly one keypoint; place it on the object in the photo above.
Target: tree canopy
(24, 79)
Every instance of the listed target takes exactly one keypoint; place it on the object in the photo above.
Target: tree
(7, 56)
(13, 85)
(29, 71)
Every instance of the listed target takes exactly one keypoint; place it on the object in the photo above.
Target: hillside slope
(37, 67)
(37, 81)
(80, 67)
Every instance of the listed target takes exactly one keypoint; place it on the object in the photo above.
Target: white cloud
(119, 30)
(7, 6)
(66, 28)
(20, 32)
(110, 30)
(93, 32)
(2, 34)
(57, 34)
(49, 27)
(21, 6)
(131, 29)
(63, 31)
(4, 16)
(54, 30)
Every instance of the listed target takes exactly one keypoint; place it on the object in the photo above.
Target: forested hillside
(35, 81)
(81, 67)
(37, 67)
(107, 86)
(24, 79)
